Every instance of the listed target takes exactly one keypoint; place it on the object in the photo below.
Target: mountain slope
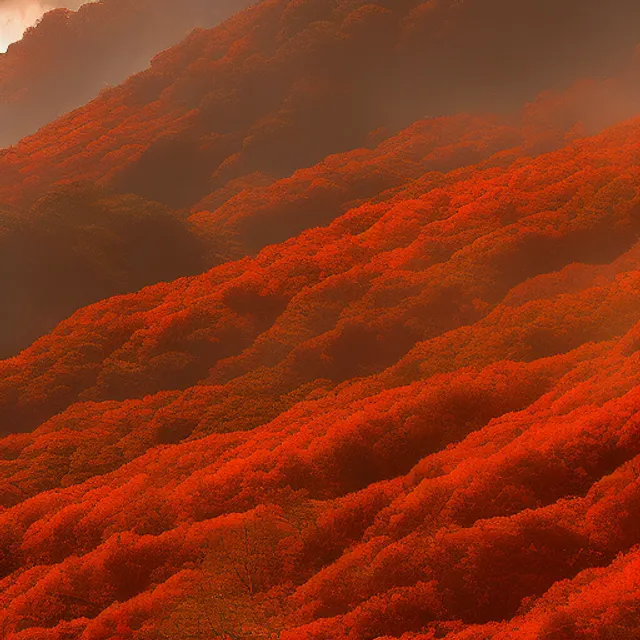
(236, 124)
(419, 419)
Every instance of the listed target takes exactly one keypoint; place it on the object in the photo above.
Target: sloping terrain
(419, 419)
(403, 403)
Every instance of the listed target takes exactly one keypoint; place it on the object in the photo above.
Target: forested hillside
(338, 320)
(419, 418)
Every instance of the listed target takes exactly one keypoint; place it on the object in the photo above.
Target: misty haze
(17, 15)
(69, 57)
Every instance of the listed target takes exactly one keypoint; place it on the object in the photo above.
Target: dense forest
(326, 326)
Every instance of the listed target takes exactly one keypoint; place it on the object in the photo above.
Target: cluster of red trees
(80, 243)
(418, 421)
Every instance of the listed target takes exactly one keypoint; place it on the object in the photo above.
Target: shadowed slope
(79, 244)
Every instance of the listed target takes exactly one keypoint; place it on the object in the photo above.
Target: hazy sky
(17, 15)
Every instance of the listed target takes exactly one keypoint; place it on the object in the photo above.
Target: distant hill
(285, 84)
(69, 57)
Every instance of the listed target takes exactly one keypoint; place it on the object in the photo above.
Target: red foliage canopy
(419, 420)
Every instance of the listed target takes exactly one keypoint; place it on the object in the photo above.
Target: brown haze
(70, 56)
